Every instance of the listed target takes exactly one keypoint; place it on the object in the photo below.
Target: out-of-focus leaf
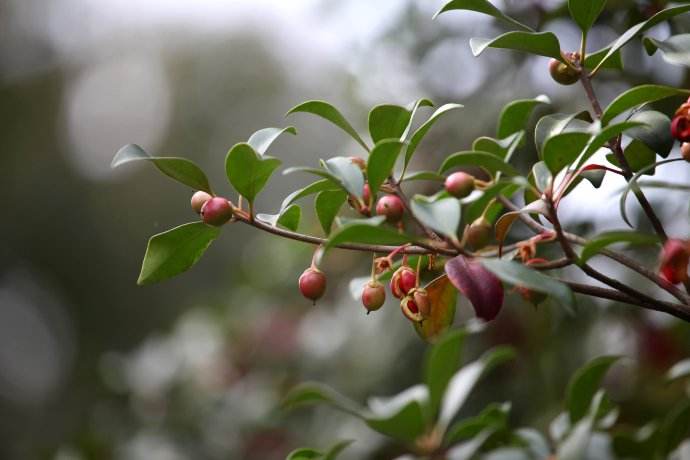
(347, 173)
(462, 383)
(247, 171)
(515, 114)
(388, 121)
(584, 384)
(482, 6)
(327, 111)
(675, 428)
(468, 449)
(381, 162)
(674, 50)
(288, 218)
(493, 416)
(424, 175)
(479, 285)
(539, 43)
(486, 160)
(175, 251)
(336, 449)
(563, 149)
(655, 131)
(401, 416)
(679, 370)
(180, 169)
(442, 298)
(605, 239)
(304, 453)
(442, 361)
(310, 393)
(419, 134)
(537, 445)
(263, 138)
(328, 204)
(574, 446)
(639, 95)
(585, 13)
(441, 215)
(367, 231)
(519, 275)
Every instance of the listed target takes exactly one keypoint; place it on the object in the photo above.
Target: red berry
(459, 184)
(373, 296)
(563, 73)
(680, 128)
(675, 257)
(216, 211)
(410, 309)
(392, 207)
(403, 281)
(312, 284)
(199, 199)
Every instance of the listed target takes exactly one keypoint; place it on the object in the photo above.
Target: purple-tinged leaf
(479, 285)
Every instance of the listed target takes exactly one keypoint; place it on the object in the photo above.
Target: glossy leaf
(674, 50)
(335, 450)
(629, 34)
(441, 215)
(263, 138)
(584, 384)
(515, 114)
(381, 162)
(442, 361)
(506, 188)
(614, 61)
(462, 383)
(638, 95)
(586, 12)
(481, 6)
(554, 124)
(311, 393)
(543, 178)
(574, 446)
(493, 416)
(489, 161)
(443, 297)
(506, 221)
(638, 157)
(563, 149)
(654, 131)
(367, 231)
(180, 169)
(304, 453)
(608, 238)
(424, 175)
(388, 121)
(503, 148)
(479, 285)
(316, 187)
(519, 275)
(328, 204)
(401, 416)
(288, 217)
(327, 111)
(469, 449)
(175, 251)
(419, 134)
(247, 171)
(347, 173)
(419, 103)
(603, 136)
(539, 43)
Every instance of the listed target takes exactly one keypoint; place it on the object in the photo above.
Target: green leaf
(316, 187)
(675, 428)
(401, 416)
(423, 102)
(474, 209)
(574, 446)
(367, 231)
(328, 204)
(304, 453)
(602, 137)
(327, 111)
(679, 370)
(469, 449)
(489, 161)
(336, 449)
(638, 155)
(347, 173)
(584, 384)
(639, 95)
(180, 169)
(175, 251)
(586, 12)
(675, 49)
(519, 275)
(503, 148)
(493, 416)
(442, 361)
(419, 134)
(388, 121)
(539, 43)
(629, 34)
(563, 149)
(608, 238)
(593, 59)
(423, 175)
(462, 383)
(288, 217)
(557, 123)
(515, 115)
(310, 393)
(543, 179)
(381, 162)
(441, 215)
(655, 131)
(263, 138)
(247, 171)
(482, 6)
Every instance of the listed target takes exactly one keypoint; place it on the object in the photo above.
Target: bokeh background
(94, 367)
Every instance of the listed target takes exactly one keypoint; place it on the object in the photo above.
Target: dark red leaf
(479, 285)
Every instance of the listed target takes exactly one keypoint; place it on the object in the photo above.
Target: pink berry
(459, 184)
(373, 296)
(312, 284)
(391, 207)
(216, 211)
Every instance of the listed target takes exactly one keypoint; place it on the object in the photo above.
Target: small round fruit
(403, 281)
(478, 234)
(373, 296)
(392, 207)
(459, 184)
(216, 211)
(410, 309)
(685, 151)
(563, 73)
(312, 284)
(199, 199)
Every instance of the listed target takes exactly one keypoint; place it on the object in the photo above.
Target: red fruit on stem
(391, 207)
(459, 184)
(198, 200)
(216, 211)
(312, 284)
(675, 257)
(373, 296)
(563, 73)
(403, 281)
(680, 128)
(410, 309)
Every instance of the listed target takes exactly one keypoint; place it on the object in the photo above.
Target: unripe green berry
(216, 211)
(373, 296)
(312, 284)
(391, 207)
(563, 73)
(459, 184)
(199, 199)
